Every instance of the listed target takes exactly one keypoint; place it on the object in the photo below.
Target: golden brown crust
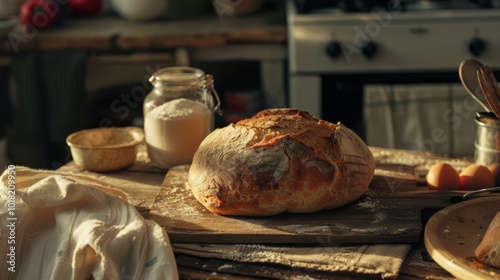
(488, 250)
(280, 160)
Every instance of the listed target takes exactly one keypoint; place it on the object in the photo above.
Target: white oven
(389, 69)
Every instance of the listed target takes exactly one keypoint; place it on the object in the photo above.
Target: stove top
(359, 6)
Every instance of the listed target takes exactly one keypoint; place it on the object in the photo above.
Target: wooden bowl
(105, 149)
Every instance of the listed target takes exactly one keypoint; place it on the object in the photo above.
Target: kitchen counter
(399, 176)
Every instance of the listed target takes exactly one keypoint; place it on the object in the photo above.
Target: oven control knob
(369, 49)
(476, 46)
(334, 49)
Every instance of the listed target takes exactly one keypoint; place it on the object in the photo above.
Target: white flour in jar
(174, 130)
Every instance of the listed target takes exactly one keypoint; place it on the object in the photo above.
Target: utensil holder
(487, 144)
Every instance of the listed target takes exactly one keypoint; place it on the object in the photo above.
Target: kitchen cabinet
(108, 39)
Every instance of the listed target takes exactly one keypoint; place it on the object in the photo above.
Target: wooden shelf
(108, 33)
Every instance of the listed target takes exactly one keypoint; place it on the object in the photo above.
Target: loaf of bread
(488, 250)
(280, 160)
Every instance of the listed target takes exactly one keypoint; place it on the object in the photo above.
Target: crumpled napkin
(384, 260)
(64, 226)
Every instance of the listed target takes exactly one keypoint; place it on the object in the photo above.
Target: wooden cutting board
(390, 212)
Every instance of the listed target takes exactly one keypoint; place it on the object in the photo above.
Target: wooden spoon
(468, 76)
(489, 86)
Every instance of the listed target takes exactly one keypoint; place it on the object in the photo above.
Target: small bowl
(143, 10)
(105, 149)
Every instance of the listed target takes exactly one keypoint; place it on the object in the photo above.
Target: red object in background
(242, 104)
(85, 7)
(41, 14)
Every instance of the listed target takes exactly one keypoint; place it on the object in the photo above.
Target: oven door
(417, 111)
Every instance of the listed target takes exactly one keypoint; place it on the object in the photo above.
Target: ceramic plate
(452, 235)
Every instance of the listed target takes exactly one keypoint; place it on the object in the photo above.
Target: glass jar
(178, 114)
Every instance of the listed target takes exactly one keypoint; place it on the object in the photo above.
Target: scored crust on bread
(488, 250)
(280, 160)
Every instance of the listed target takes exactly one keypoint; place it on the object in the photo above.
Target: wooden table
(402, 170)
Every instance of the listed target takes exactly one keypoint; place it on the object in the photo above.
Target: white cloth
(72, 227)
